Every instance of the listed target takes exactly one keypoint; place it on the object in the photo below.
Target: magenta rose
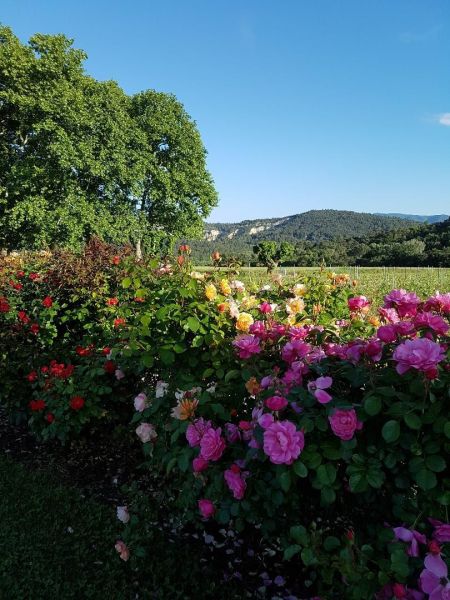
(212, 444)
(358, 303)
(404, 302)
(283, 443)
(295, 350)
(246, 345)
(199, 464)
(344, 423)
(206, 508)
(196, 430)
(276, 403)
(235, 482)
(441, 531)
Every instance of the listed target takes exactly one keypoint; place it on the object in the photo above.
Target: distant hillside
(417, 218)
(238, 239)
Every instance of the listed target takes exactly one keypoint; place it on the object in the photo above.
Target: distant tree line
(419, 245)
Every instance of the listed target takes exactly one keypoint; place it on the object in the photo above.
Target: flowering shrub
(329, 438)
(301, 413)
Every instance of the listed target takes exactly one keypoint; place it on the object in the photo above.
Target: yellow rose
(249, 302)
(225, 287)
(291, 320)
(375, 321)
(244, 321)
(295, 306)
(299, 289)
(211, 291)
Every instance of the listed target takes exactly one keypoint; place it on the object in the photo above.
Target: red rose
(112, 301)
(116, 260)
(23, 317)
(49, 417)
(47, 302)
(37, 405)
(32, 376)
(83, 351)
(20, 274)
(4, 305)
(77, 403)
(34, 328)
(119, 322)
(110, 367)
(17, 286)
(139, 299)
(106, 350)
(33, 276)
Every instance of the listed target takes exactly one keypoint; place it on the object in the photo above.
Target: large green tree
(79, 157)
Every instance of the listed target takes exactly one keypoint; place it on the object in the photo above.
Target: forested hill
(238, 239)
(402, 243)
(418, 218)
(314, 225)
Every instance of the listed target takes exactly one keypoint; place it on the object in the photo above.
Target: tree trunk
(138, 250)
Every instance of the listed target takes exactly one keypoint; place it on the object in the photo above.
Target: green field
(373, 282)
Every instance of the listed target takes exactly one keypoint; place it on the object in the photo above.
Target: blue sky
(302, 104)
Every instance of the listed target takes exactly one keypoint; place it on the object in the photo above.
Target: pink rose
(246, 345)
(295, 350)
(420, 354)
(212, 444)
(429, 321)
(441, 531)
(358, 303)
(206, 508)
(404, 302)
(195, 431)
(265, 307)
(199, 464)
(344, 423)
(123, 550)
(318, 387)
(235, 482)
(283, 443)
(140, 402)
(387, 334)
(146, 433)
(439, 303)
(276, 403)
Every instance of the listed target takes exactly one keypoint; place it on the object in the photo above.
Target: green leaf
(234, 374)
(126, 282)
(285, 481)
(299, 534)
(413, 421)
(308, 557)
(391, 431)
(300, 469)
(426, 479)
(327, 495)
(435, 463)
(147, 359)
(193, 324)
(326, 474)
(330, 543)
(447, 429)
(291, 551)
(372, 405)
(167, 357)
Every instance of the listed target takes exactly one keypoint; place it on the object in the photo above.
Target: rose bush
(299, 415)
(325, 437)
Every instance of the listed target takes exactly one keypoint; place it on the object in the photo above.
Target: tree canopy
(79, 157)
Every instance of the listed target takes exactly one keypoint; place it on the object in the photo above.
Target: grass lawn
(57, 545)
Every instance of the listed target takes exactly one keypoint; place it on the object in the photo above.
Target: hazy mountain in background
(418, 218)
(314, 225)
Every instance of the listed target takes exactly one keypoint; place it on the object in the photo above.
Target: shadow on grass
(55, 544)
